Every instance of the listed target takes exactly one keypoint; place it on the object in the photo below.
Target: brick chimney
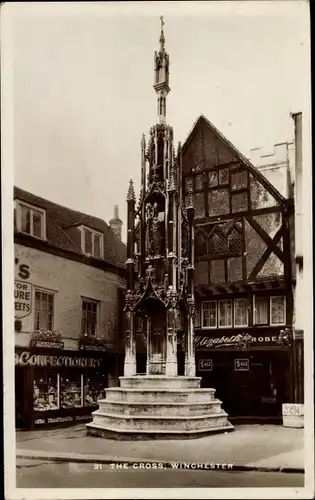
(116, 224)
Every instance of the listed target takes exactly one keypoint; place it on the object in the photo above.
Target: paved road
(38, 474)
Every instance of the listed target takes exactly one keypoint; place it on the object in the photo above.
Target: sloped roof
(62, 232)
(235, 152)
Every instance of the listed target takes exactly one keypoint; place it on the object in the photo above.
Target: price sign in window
(241, 365)
(205, 365)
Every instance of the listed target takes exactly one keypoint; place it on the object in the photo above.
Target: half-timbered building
(243, 277)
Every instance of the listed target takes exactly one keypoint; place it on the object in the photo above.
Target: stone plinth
(158, 407)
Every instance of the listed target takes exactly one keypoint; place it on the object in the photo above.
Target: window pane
(213, 178)
(37, 223)
(209, 314)
(97, 246)
(89, 317)
(44, 311)
(70, 391)
(93, 391)
(25, 220)
(88, 242)
(45, 392)
(225, 313)
(240, 312)
(223, 176)
(261, 310)
(277, 310)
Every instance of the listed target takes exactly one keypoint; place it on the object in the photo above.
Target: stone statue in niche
(160, 148)
(158, 68)
(158, 231)
(150, 245)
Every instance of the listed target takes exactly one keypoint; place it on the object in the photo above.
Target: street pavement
(253, 447)
(38, 474)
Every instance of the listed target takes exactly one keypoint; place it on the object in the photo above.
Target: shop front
(251, 373)
(54, 386)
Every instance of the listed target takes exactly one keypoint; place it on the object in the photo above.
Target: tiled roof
(62, 228)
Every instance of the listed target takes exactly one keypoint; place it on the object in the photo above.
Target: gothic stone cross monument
(160, 291)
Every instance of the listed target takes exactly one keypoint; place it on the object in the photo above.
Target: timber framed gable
(241, 220)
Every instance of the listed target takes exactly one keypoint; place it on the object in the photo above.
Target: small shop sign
(48, 344)
(291, 409)
(91, 347)
(22, 299)
(43, 420)
(205, 365)
(241, 364)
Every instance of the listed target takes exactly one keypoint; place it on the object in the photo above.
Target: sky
(82, 93)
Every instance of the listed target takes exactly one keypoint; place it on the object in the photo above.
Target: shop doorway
(20, 403)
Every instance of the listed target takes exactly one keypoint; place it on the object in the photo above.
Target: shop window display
(93, 391)
(45, 393)
(71, 391)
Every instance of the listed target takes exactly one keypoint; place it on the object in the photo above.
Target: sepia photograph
(157, 250)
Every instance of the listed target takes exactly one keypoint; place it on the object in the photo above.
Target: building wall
(277, 165)
(206, 149)
(70, 281)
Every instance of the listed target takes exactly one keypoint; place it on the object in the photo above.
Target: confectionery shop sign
(26, 358)
(233, 340)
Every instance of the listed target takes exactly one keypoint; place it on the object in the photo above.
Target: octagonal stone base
(158, 407)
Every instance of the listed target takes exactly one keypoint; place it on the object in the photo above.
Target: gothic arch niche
(217, 243)
(201, 246)
(234, 242)
(156, 336)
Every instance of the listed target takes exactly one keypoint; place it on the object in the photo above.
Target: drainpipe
(293, 413)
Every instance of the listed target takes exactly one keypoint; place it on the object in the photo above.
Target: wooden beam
(244, 263)
(267, 253)
(269, 241)
(260, 286)
(205, 221)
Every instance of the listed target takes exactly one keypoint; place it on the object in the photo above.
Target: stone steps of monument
(149, 434)
(159, 381)
(159, 409)
(157, 423)
(163, 395)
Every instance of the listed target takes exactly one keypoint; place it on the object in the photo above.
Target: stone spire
(162, 37)
(115, 223)
(161, 76)
(131, 192)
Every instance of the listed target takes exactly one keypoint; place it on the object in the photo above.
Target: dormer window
(92, 242)
(31, 220)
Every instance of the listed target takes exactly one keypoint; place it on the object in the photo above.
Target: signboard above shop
(234, 341)
(27, 358)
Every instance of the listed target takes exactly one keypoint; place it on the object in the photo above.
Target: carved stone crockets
(161, 229)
